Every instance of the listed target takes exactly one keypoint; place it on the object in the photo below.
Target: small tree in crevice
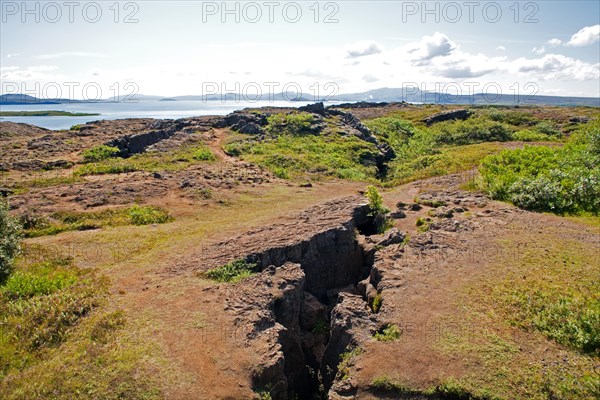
(377, 210)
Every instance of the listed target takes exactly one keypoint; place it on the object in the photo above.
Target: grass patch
(448, 390)
(292, 151)
(234, 271)
(58, 342)
(146, 215)
(547, 290)
(149, 162)
(63, 221)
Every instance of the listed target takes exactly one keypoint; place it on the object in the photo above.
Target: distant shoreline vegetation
(51, 113)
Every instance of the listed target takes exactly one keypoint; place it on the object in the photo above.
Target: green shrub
(511, 117)
(392, 130)
(559, 180)
(234, 271)
(475, 130)
(203, 154)
(10, 238)
(99, 153)
(377, 303)
(388, 333)
(547, 129)
(145, 215)
(377, 210)
(527, 135)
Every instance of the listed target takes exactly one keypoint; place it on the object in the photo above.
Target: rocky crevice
(307, 306)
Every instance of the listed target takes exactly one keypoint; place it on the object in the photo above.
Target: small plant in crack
(377, 210)
(423, 224)
(234, 271)
(321, 327)
(346, 360)
(388, 333)
(377, 303)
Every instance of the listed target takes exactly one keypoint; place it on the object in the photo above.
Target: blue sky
(183, 48)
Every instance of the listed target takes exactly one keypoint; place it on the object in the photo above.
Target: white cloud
(11, 55)
(557, 67)
(370, 78)
(36, 73)
(585, 37)
(539, 50)
(554, 42)
(68, 54)
(430, 47)
(363, 48)
(501, 48)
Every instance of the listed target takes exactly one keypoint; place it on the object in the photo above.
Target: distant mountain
(16, 99)
(410, 95)
(413, 95)
(10, 99)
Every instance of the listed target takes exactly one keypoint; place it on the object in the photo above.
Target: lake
(141, 109)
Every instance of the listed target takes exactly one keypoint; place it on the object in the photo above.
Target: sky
(85, 49)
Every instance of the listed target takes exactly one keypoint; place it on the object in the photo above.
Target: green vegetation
(443, 148)
(377, 210)
(146, 215)
(448, 390)
(9, 241)
(99, 153)
(377, 303)
(548, 290)
(57, 342)
(234, 271)
(150, 162)
(423, 224)
(51, 113)
(35, 225)
(388, 333)
(561, 310)
(40, 302)
(559, 180)
(290, 124)
(318, 156)
(203, 153)
(346, 360)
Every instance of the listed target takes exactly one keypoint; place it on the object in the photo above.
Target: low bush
(203, 154)
(234, 271)
(10, 239)
(388, 333)
(99, 153)
(559, 180)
